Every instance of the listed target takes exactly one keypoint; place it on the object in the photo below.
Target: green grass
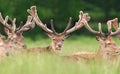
(53, 64)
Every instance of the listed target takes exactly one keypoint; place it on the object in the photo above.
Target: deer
(108, 49)
(15, 40)
(57, 38)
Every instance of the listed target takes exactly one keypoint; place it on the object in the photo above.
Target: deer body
(79, 56)
(40, 50)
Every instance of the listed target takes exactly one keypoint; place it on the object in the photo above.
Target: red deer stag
(57, 38)
(108, 49)
(14, 40)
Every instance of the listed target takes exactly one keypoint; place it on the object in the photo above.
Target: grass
(52, 64)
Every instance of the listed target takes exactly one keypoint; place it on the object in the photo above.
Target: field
(53, 64)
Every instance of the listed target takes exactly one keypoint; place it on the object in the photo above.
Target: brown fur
(39, 50)
(79, 56)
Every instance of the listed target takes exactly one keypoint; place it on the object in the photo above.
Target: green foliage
(60, 11)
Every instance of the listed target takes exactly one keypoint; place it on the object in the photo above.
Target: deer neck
(102, 53)
(51, 47)
(48, 48)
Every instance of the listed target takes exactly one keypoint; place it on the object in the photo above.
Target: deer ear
(6, 31)
(98, 38)
(49, 35)
(67, 36)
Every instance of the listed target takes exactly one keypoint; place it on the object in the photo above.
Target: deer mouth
(58, 49)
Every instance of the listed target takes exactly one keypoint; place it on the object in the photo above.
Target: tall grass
(53, 64)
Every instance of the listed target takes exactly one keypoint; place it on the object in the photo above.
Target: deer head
(15, 38)
(57, 38)
(108, 48)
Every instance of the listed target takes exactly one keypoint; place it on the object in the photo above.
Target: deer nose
(7, 54)
(59, 45)
(116, 51)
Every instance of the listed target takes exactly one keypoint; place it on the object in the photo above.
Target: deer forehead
(112, 48)
(59, 36)
(109, 40)
(14, 36)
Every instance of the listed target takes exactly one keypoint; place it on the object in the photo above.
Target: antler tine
(117, 32)
(116, 26)
(90, 29)
(86, 16)
(109, 27)
(115, 23)
(13, 25)
(100, 29)
(52, 26)
(20, 26)
(69, 23)
(28, 25)
(81, 15)
(4, 22)
(33, 12)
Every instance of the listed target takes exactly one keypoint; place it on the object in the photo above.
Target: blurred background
(60, 11)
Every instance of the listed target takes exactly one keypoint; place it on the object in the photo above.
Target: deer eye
(53, 38)
(107, 53)
(109, 43)
(15, 42)
(12, 40)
